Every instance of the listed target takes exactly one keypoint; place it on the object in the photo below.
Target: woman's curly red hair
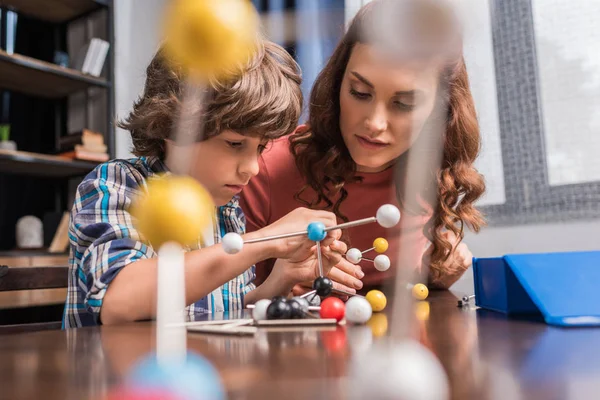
(325, 162)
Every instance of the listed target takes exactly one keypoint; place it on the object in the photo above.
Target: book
(90, 59)
(60, 242)
(89, 139)
(84, 155)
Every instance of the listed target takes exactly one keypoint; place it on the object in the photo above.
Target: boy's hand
(298, 248)
(290, 272)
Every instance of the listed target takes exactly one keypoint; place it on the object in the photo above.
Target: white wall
(137, 33)
(572, 236)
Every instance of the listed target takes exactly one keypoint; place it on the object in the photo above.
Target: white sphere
(388, 215)
(404, 370)
(232, 243)
(314, 300)
(259, 313)
(382, 262)
(354, 255)
(358, 310)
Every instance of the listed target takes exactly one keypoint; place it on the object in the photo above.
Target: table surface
(486, 356)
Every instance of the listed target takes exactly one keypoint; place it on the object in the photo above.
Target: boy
(113, 272)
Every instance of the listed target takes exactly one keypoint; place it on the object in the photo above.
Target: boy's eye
(360, 95)
(234, 145)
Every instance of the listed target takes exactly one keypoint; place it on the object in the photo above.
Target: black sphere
(323, 286)
(296, 308)
(279, 309)
(303, 303)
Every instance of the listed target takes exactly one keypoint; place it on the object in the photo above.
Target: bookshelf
(56, 11)
(42, 165)
(43, 99)
(40, 78)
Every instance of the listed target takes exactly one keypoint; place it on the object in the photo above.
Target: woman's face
(383, 106)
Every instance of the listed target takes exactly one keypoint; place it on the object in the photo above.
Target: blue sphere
(316, 231)
(194, 379)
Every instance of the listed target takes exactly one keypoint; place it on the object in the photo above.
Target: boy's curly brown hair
(265, 100)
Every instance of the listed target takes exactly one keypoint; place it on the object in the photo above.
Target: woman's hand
(297, 248)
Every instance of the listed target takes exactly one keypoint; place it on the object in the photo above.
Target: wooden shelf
(23, 253)
(39, 78)
(57, 11)
(25, 163)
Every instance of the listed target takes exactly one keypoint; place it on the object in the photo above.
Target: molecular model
(381, 262)
(358, 309)
(387, 216)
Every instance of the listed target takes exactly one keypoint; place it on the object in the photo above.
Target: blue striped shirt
(103, 239)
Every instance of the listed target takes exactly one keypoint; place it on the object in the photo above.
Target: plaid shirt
(103, 239)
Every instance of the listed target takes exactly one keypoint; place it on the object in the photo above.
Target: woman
(396, 75)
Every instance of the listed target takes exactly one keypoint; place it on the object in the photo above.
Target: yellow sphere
(378, 324)
(211, 38)
(422, 310)
(377, 300)
(420, 291)
(380, 245)
(175, 208)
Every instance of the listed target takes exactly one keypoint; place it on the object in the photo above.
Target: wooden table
(486, 357)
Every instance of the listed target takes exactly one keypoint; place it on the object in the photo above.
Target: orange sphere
(211, 38)
(420, 291)
(174, 208)
(377, 300)
(380, 245)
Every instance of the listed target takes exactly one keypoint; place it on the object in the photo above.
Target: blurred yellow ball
(422, 310)
(420, 291)
(211, 38)
(378, 324)
(380, 245)
(377, 300)
(175, 208)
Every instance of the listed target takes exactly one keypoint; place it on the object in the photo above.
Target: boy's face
(225, 163)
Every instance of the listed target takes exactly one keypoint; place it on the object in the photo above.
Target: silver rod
(368, 250)
(305, 295)
(319, 259)
(367, 259)
(351, 224)
(275, 237)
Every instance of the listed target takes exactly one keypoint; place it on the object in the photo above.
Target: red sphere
(332, 307)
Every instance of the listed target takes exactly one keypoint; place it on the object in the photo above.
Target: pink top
(270, 196)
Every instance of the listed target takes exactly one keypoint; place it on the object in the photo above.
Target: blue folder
(563, 287)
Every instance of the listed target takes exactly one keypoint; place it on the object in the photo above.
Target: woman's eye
(360, 95)
(403, 106)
